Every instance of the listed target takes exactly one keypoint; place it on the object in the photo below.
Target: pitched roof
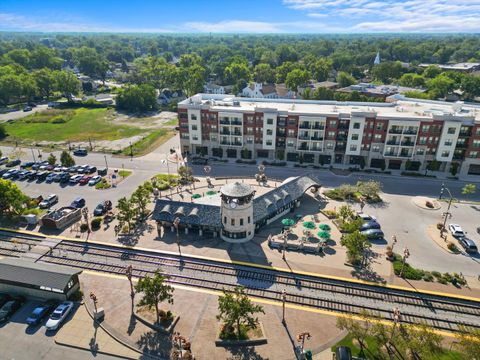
(33, 273)
(291, 189)
(268, 89)
(193, 213)
(237, 189)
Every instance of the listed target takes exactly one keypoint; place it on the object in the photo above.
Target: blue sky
(230, 16)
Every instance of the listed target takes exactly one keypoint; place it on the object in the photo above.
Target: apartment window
(249, 130)
(330, 146)
(331, 134)
(241, 222)
(477, 132)
(292, 122)
(249, 140)
(354, 136)
(232, 222)
(353, 147)
(356, 125)
(366, 146)
(270, 132)
(422, 140)
(445, 153)
(420, 151)
(194, 137)
(379, 126)
(476, 143)
(268, 142)
(448, 142)
(375, 148)
(193, 117)
(473, 154)
(248, 220)
(369, 136)
(194, 127)
(291, 133)
(378, 137)
(224, 219)
(213, 138)
(290, 143)
(184, 136)
(451, 130)
(333, 123)
(270, 121)
(214, 127)
(425, 128)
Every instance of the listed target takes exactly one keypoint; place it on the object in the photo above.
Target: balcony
(281, 123)
(404, 154)
(393, 142)
(303, 147)
(224, 142)
(304, 137)
(236, 123)
(304, 126)
(225, 122)
(395, 131)
(343, 126)
(237, 133)
(390, 153)
(408, 143)
(410, 131)
(461, 145)
(341, 137)
(340, 147)
(236, 143)
(316, 138)
(464, 133)
(224, 132)
(319, 127)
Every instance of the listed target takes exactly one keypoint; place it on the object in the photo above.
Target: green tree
(193, 79)
(155, 291)
(52, 159)
(237, 71)
(320, 69)
(236, 309)
(126, 213)
(67, 83)
(11, 84)
(469, 189)
(440, 86)
(45, 80)
(469, 342)
(286, 53)
(66, 159)
(140, 199)
(12, 199)
(357, 329)
(412, 80)
(357, 245)
(264, 73)
(322, 93)
(3, 132)
(186, 174)
(344, 79)
(18, 56)
(387, 71)
(296, 78)
(370, 188)
(422, 341)
(432, 71)
(137, 98)
(471, 86)
(345, 212)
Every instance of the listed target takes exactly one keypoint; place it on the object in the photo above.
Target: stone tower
(237, 212)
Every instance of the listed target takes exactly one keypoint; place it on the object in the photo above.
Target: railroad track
(441, 312)
(15, 244)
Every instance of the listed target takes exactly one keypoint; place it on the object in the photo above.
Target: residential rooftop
(397, 107)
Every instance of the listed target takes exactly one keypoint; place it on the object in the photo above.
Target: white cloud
(229, 26)
(396, 15)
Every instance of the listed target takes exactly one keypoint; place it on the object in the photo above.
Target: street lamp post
(301, 339)
(284, 299)
(179, 341)
(128, 272)
(176, 223)
(394, 241)
(396, 320)
(106, 163)
(94, 299)
(406, 254)
(447, 214)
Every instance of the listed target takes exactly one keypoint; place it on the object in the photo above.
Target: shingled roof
(189, 213)
(25, 272)
(290, 190)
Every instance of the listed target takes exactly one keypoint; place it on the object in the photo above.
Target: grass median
(148, 143)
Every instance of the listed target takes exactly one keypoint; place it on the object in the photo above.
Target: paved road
(20, 114)
(19, 342)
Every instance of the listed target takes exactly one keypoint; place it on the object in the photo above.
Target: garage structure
(27, 278)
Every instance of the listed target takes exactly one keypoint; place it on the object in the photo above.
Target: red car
(84, 180)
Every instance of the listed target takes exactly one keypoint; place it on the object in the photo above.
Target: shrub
(96, 222)
(439, 226)
(436, 274)
(351, 226)
(331, 214)
(429, 204)
(428, 277)
(409, 272)
(451, 246)
(83, 227)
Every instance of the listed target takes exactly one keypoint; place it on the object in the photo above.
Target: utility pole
(106, 163)
(33, 154)
(284, 299)
(394, 241)
(176, 223)
(406, 255)
(446, 214)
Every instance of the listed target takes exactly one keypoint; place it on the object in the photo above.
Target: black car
(27, 164)
(370, 225)
(102, 208)
(27, 108)
(13, 163)
(32, 175)
(4, 298)
(3, 171)
(468, 244)
(91, 169)
(78, 203)
(199, 161)
(80, 152)
(41, 176)
(373, 234)
(9, 308)
(64, 178)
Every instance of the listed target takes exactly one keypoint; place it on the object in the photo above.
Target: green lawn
(148, 143)
(172, 122)
(69, 124)
(372, 351)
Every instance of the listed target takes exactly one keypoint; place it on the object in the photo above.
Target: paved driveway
(20, 114)
(20, 342)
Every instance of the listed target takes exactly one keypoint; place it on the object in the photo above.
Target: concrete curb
(98, 351)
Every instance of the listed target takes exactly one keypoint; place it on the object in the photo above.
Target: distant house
(211, 88)
(313, 85)
(259, 90)
(166, 96)
(283, 92)
(461, 67)
(377, 91)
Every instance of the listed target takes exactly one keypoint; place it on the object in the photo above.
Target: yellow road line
(271, 302)
(266, 267)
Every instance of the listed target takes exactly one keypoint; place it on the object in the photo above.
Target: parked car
(370, 225)
(75, 179)
(57, 177)
(102, 171)
(373, 234)
(9, 308)
(38, 165)
(468, 244)
(32, 175)
(65, 178)
(22, 174)
(40, 312)
(50, 167)
(94, 180)
(73, 169)
(27, 108)
(58, 168)
(366, 217)
(9, 174)
(78, 203)
(80, 152)
(42, 175)
(13, 163)
(59, 315)
(102, 208)
(83, 169)
(456, 230)
(3, 160)
(49, 201)
(4, 298)
(50, 177)
(84, 180)
(27, 164)
(91, 169)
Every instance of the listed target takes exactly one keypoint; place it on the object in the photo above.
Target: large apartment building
(403, 134)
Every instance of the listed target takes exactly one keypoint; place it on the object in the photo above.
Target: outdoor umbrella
(323, 235)
(196, 196)
(287, 222)
(308, 225)
(211, 192)
(325, 227)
